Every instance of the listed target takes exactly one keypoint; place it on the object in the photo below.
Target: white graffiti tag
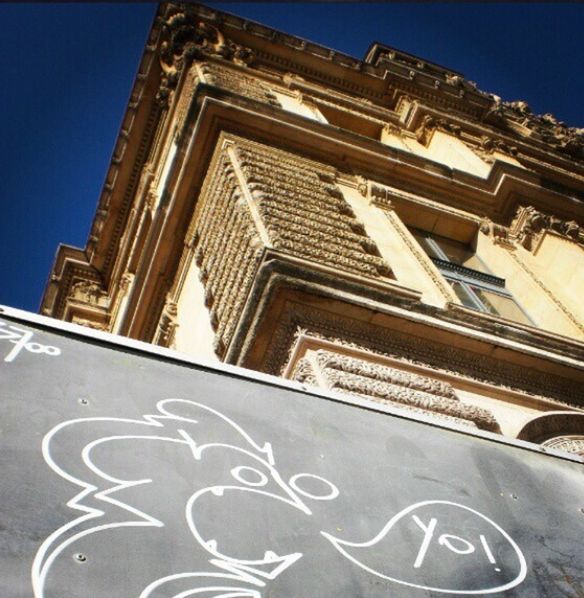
(421, 524)
(176, 428)
(223, 480)
(21, 339)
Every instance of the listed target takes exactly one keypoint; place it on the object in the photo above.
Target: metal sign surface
(126, 474)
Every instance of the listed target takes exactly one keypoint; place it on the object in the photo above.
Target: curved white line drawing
(251, 593)
(237, 570)
(232, 577)
(262, 477)
(343, 547)
(21, 338)
(210, 545)
(331, 495)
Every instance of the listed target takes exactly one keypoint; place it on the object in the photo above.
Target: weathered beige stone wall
(546, 312)
(560, 263)
(409, 264)
(443, 148)
(194, 334)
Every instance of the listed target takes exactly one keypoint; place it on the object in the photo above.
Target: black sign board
(128, 473)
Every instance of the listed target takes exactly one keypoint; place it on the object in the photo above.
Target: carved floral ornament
(530, 225)
(184, 37)
(430, 124)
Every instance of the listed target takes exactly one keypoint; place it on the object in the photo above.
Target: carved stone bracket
(489, 145)
(530, 225)
(168, 324)
(430, 124)
(184, 38)
(499, 234)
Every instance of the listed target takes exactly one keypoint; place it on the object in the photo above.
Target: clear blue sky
(67, 70)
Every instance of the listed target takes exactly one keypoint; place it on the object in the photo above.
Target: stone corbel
(499, 234)
(380, 196)
(430, 124)
(530, 225)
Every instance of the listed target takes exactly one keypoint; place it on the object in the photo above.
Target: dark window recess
(474, 284)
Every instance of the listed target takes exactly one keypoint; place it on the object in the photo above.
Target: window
(471, 280)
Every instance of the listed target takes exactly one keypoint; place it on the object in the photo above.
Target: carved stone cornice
(408, 348)
(518, 117)
(489, 145)
(185, 37)
(530, 225)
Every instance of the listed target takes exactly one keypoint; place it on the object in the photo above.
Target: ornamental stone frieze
(517, 116)
(530, 225)
(88, 292)
(399, 388)
(185, 37)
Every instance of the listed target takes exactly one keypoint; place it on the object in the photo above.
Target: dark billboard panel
(130, 473)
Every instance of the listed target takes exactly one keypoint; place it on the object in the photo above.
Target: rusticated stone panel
(304, 212)
(351, 375)
(255, 197)
(228, 248)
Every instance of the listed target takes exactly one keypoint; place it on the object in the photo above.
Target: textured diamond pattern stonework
(257, 197)
(347, 374)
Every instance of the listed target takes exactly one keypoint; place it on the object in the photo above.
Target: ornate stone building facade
(379, 227)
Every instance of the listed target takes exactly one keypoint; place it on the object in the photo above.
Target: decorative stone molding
(414, 350)
(351, 375)
(90, 323)
(530, 225)
(126, 281)
(498, 233)
(223, 234)
(546, 128)
(184, 38)
(430, 124)
(568, 444)
(489, 145)
(382, 198)
(560, 430)
(238, 82)
(167, 324)
(89, 293)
